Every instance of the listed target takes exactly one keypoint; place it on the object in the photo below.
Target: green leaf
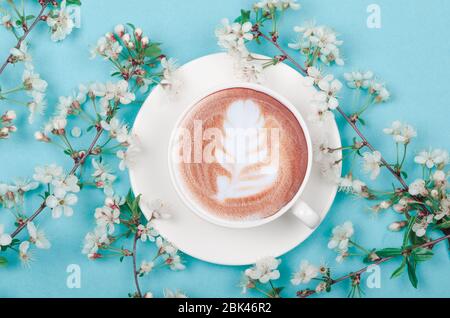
(422, 254)
(408, 231)
(444, 225)
(29, 17)
(362, 121)
(387, 252)
(412, 272)
(153, 50)
(74, 2)
(3, 261)
(404, 174)
(131, 25)
(244, 17)
(399, 270)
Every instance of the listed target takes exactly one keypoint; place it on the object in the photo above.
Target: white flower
(148, 295)
(36, 106)
(249, 70)
(432, 158)
(158, 209)
(107, 217)
(169, 80)
(174, 262)
(318, 41)
(321, 113)
(94, 240)
(439, 177)
(116, 129)
(321, 287)
(5, 239)
(146, 267)
(233, 37)
(114, 202)
(372, 163)
(108, 48)
(97, 90)
(60, 202)
(264, 270)
(20, 54)
(358, 79)
(269, 5)
(350, 185)
(102, 175)
(305, 274)
(330, 167)
(6, 21)
(127, 157)
(444, 209)
(37, 237)
(401, 133)
(341, 237)
(165, 247)
(173, 294)
(321, 148)
(315, 76)
(397, 226)
(379, 91)
(47, 174)
(57, 125)
(330, 88)
(119, 92)
(23, 185)
(24, 253)
(420, 227)
(68, 184)
(32, 81)
(60, 22)
(418, 188)
(147, 232)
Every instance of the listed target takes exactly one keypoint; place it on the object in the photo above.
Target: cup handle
(306, 214)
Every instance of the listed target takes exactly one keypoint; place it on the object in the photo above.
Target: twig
(74, 169)
(430, 244)
(285, 54)
(25, 35)
(135, 272)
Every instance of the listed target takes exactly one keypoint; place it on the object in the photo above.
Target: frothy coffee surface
(236, 187)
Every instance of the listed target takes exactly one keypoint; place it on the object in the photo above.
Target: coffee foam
(245, 190)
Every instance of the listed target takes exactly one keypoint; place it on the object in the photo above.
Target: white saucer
(150, 173)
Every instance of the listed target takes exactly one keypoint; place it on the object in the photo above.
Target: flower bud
(126, 38)
(10, 115)
(119, 30)
(138, 32)
(145, 41)
(130, 45)
(397, 226)
(435, 193)
(39, 136)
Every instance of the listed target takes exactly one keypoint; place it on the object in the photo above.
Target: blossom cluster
(61, 23)
(318, 43)
(134, 57)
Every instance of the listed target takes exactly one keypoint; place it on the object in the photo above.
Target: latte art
(241, 155)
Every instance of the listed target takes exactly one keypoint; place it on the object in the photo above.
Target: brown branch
(135, 272)
(72, 172)
(25, 35)
(285, 54)
(431, 244)
(339, 109)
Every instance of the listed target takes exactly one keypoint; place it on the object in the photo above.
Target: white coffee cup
(296, 206)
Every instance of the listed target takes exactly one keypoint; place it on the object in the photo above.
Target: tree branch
(431, 244)
(25, 35)
(72, 172)
(135, 272)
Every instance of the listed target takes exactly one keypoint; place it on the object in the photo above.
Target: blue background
(411, 52)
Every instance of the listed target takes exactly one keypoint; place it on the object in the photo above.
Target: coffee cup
(240, 156)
